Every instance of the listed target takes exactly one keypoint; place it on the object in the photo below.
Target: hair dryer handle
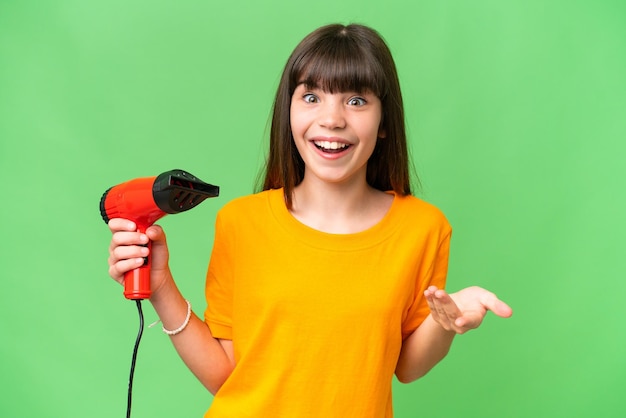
(137, 281)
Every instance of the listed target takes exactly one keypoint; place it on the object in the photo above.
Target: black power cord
(134, 360)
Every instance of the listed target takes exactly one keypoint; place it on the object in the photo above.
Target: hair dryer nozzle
(176, 191)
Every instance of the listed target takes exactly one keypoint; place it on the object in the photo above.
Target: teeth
(330, 145)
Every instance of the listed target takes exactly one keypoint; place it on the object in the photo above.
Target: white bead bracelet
(184, 325)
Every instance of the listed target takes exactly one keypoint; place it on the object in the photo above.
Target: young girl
(330, 280)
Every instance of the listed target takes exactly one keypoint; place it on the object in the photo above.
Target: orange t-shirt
(317, 320)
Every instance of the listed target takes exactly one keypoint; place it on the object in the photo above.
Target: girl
(330, 280)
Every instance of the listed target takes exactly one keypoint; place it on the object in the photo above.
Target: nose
(331, 115)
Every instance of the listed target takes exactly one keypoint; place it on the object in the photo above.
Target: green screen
(516, 114)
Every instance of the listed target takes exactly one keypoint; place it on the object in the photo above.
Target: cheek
(298, 124)
(374, 131)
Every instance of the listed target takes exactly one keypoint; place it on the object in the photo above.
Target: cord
(134, 360)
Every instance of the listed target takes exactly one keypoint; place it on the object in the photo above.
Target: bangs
(339, 64)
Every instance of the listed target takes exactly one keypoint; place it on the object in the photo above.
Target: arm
(451, 314)
(211, 360)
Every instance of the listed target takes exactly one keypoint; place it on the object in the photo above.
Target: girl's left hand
(465, 309)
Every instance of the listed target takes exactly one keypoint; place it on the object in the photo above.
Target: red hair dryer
(146, 200)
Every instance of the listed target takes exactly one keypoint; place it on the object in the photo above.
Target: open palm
(464, 310)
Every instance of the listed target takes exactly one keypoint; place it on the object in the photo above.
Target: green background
(516, 114)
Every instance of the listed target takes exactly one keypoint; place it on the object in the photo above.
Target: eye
(357, 101)
(310, 98)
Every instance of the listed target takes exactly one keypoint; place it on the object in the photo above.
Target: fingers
(117, 269)
(128, 244)
(123, 258)
(127, 248)
(443, 309)
(491, 302)
(118, 224)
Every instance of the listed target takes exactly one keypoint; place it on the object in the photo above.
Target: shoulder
(246, 202)
(420, 213)
(248, 207)
(416, 206)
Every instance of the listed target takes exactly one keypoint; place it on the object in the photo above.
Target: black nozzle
(176, 191)
(103, 211)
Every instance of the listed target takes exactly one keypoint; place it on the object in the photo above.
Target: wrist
(182, 327)
(173, 309)
(165, 289)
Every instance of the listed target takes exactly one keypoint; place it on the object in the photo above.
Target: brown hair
(340, 58)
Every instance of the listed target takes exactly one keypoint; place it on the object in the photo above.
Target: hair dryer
(146, 200)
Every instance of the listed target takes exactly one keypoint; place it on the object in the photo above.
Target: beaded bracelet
(184, 325)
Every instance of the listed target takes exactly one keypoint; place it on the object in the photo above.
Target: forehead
(340, 69)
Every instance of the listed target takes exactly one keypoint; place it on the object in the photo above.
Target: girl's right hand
(128, 249)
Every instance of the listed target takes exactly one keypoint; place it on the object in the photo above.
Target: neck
(339, 208)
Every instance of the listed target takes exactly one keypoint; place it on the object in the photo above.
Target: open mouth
(331, 147)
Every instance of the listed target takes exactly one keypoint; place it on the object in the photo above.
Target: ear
(382, 133)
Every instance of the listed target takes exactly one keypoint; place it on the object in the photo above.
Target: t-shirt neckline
(337, 242)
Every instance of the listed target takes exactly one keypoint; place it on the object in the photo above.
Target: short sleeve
(435, 275)
(219, 284)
